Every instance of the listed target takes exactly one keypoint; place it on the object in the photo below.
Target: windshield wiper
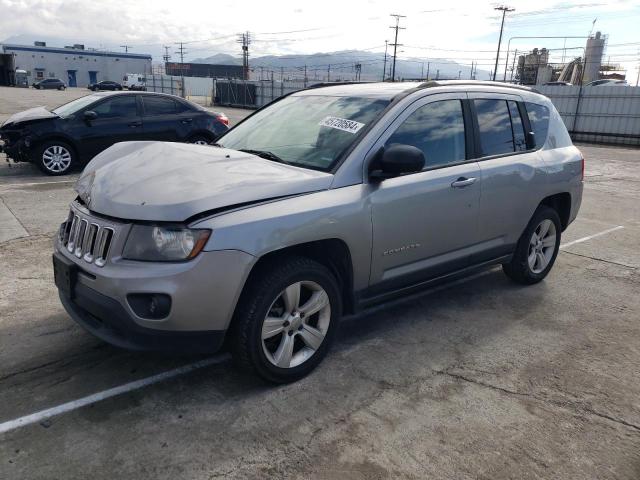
(265, 154)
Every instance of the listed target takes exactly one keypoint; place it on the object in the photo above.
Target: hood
(37, 113)
(160, 181)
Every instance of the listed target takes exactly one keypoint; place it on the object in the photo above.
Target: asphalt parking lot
(482, 379)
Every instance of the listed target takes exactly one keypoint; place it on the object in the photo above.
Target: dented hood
(161, 181)
(37, 113)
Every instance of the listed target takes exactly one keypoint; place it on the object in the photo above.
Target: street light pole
(504, 9)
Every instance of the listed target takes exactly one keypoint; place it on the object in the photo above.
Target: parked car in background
(50, 83)
(74, 133)
(134, 81)
(558, 84)
(327, 201)
(609, 82)
(105, 85)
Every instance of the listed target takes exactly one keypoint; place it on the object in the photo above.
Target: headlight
(164, 243)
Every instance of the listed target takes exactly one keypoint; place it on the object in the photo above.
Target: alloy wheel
(542, 246)
(296, 324)
(56, 158)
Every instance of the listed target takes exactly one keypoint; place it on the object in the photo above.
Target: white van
(134, 81)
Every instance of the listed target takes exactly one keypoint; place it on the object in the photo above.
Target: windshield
(73, 106)
(307, 131)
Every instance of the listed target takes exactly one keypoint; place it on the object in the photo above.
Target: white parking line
(584, 239)
(112, 392)
(32, 184)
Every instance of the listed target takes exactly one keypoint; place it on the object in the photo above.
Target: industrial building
(75, 65)
(204, 70)
(536, 68)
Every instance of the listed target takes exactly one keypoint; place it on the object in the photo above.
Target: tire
(55, 157)
(199, 140)
(271, 293)
(535, 255)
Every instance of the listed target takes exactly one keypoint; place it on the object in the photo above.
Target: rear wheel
(55, 158)
(537, 248)
(199, 140)
(286, 320)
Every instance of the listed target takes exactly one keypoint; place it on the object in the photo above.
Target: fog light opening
(151, 306)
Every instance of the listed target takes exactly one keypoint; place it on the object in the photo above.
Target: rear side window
(437, 129)
(158, 105)
(494, 121)
(539, 118)
(519, 138)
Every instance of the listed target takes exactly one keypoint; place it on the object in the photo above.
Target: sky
(460, 30)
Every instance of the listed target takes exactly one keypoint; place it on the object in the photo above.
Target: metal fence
(253, 93)
(600, 114)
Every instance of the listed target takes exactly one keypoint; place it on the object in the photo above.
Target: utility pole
(422, 72)
(504, 9)
(182, 52)
(384, 66)
(358, 68)
(459, 73)
(305, 76)
(126, 48)
(245, 40)
(328, 73)
(166, 57)
(513, 66)
(395, 44)
(471, 73)
(428, 66)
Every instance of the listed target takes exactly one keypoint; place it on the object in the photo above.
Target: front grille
(86, 238)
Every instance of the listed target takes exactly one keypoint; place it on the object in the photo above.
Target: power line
(395, 43)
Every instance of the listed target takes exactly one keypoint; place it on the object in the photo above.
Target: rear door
(512, 171)
(425, 224)
(164, 119)
(118, 120)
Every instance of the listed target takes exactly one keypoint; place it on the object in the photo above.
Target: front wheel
(537, 248)
(55, 158)
(286, 319)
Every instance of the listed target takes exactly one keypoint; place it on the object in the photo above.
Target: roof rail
(445, 83)
(332, 84)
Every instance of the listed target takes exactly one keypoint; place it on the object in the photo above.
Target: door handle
(135, 124)
(463, 182)
(186, 120)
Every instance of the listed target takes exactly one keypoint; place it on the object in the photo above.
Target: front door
(93, 77)
(71, 74)
(118, 120)
(425, 224)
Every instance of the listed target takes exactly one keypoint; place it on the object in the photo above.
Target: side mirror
(90, 115)
(397, 160)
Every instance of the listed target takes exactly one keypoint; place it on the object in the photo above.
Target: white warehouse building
(75, 65)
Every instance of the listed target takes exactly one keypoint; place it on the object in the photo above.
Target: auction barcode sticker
(343, 124)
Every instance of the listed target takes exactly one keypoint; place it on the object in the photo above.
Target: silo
(593, 57)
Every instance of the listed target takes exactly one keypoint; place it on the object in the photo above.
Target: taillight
(223, 119)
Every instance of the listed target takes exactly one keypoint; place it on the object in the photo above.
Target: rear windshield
(539, 118)
(307, 131)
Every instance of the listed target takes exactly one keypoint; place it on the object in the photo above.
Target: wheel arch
(333, 253)
(201, 133)
(52, 138)
(561, 203)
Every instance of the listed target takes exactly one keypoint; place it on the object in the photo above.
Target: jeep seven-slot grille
(86, 239)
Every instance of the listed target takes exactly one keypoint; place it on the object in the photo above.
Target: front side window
(539, 118)
(438, 130)
(309, 131)
(494, 121)
(158, 105)
(124, 106)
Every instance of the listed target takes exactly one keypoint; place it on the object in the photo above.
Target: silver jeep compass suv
(326, 201)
